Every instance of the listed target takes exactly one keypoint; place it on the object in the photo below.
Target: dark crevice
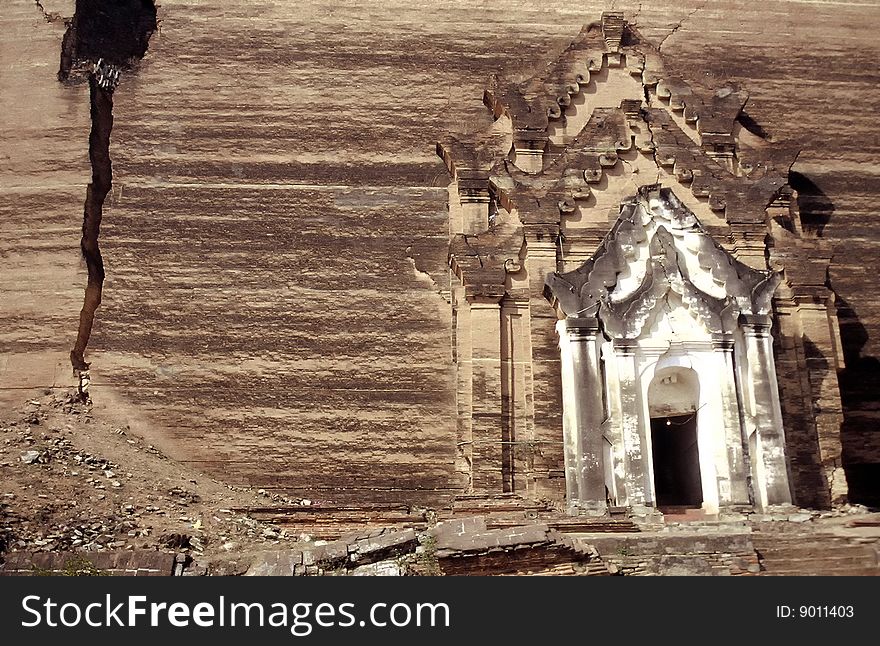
(646, 117)
(103, 38)
(630, 38)
(102, 176)
(752, 126)
(117, 31)
(815, 207)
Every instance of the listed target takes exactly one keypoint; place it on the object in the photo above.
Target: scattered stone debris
(73, 483)
(83, 497)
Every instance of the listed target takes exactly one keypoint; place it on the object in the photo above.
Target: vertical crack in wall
(103, 39)
(101, 99)
(646, 117)
(679, 25)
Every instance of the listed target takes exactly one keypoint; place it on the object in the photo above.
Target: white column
(584, 415)
(770, 472)
(736, 491)
(637, 477)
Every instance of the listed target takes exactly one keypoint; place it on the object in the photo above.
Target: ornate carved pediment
(604, 114)
(636, 202)
(658, 246)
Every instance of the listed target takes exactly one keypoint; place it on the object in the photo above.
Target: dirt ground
(73, 482)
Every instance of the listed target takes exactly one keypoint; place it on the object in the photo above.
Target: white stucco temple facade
(669, 386)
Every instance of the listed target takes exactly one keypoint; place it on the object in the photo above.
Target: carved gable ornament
(620, 242)
(655, 247)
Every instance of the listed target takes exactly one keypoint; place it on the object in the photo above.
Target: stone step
(806, 554)
(815, 555)
(473, 505)
(810, 546)
(595, 527)
(576, 524)
(706, 524)
(854, 571)
(819, 564)
(811, 540)
(868, 521)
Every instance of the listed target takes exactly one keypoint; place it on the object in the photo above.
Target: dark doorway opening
(677, 481)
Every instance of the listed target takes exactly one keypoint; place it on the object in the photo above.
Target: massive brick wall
(274, 172)
(815, 90)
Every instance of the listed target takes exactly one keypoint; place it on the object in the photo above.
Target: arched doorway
(673, 403)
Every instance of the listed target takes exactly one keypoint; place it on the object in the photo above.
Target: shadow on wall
(814, 206)
(809, 482)
(859, 388)
(859, 384)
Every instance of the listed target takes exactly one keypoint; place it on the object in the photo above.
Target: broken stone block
(459, 526)
(379, 546)
(281, 563)
(382, 568)
(30, 457)
(496, 538)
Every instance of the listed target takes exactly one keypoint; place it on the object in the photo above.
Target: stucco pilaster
(767, 440)
(584, 415)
